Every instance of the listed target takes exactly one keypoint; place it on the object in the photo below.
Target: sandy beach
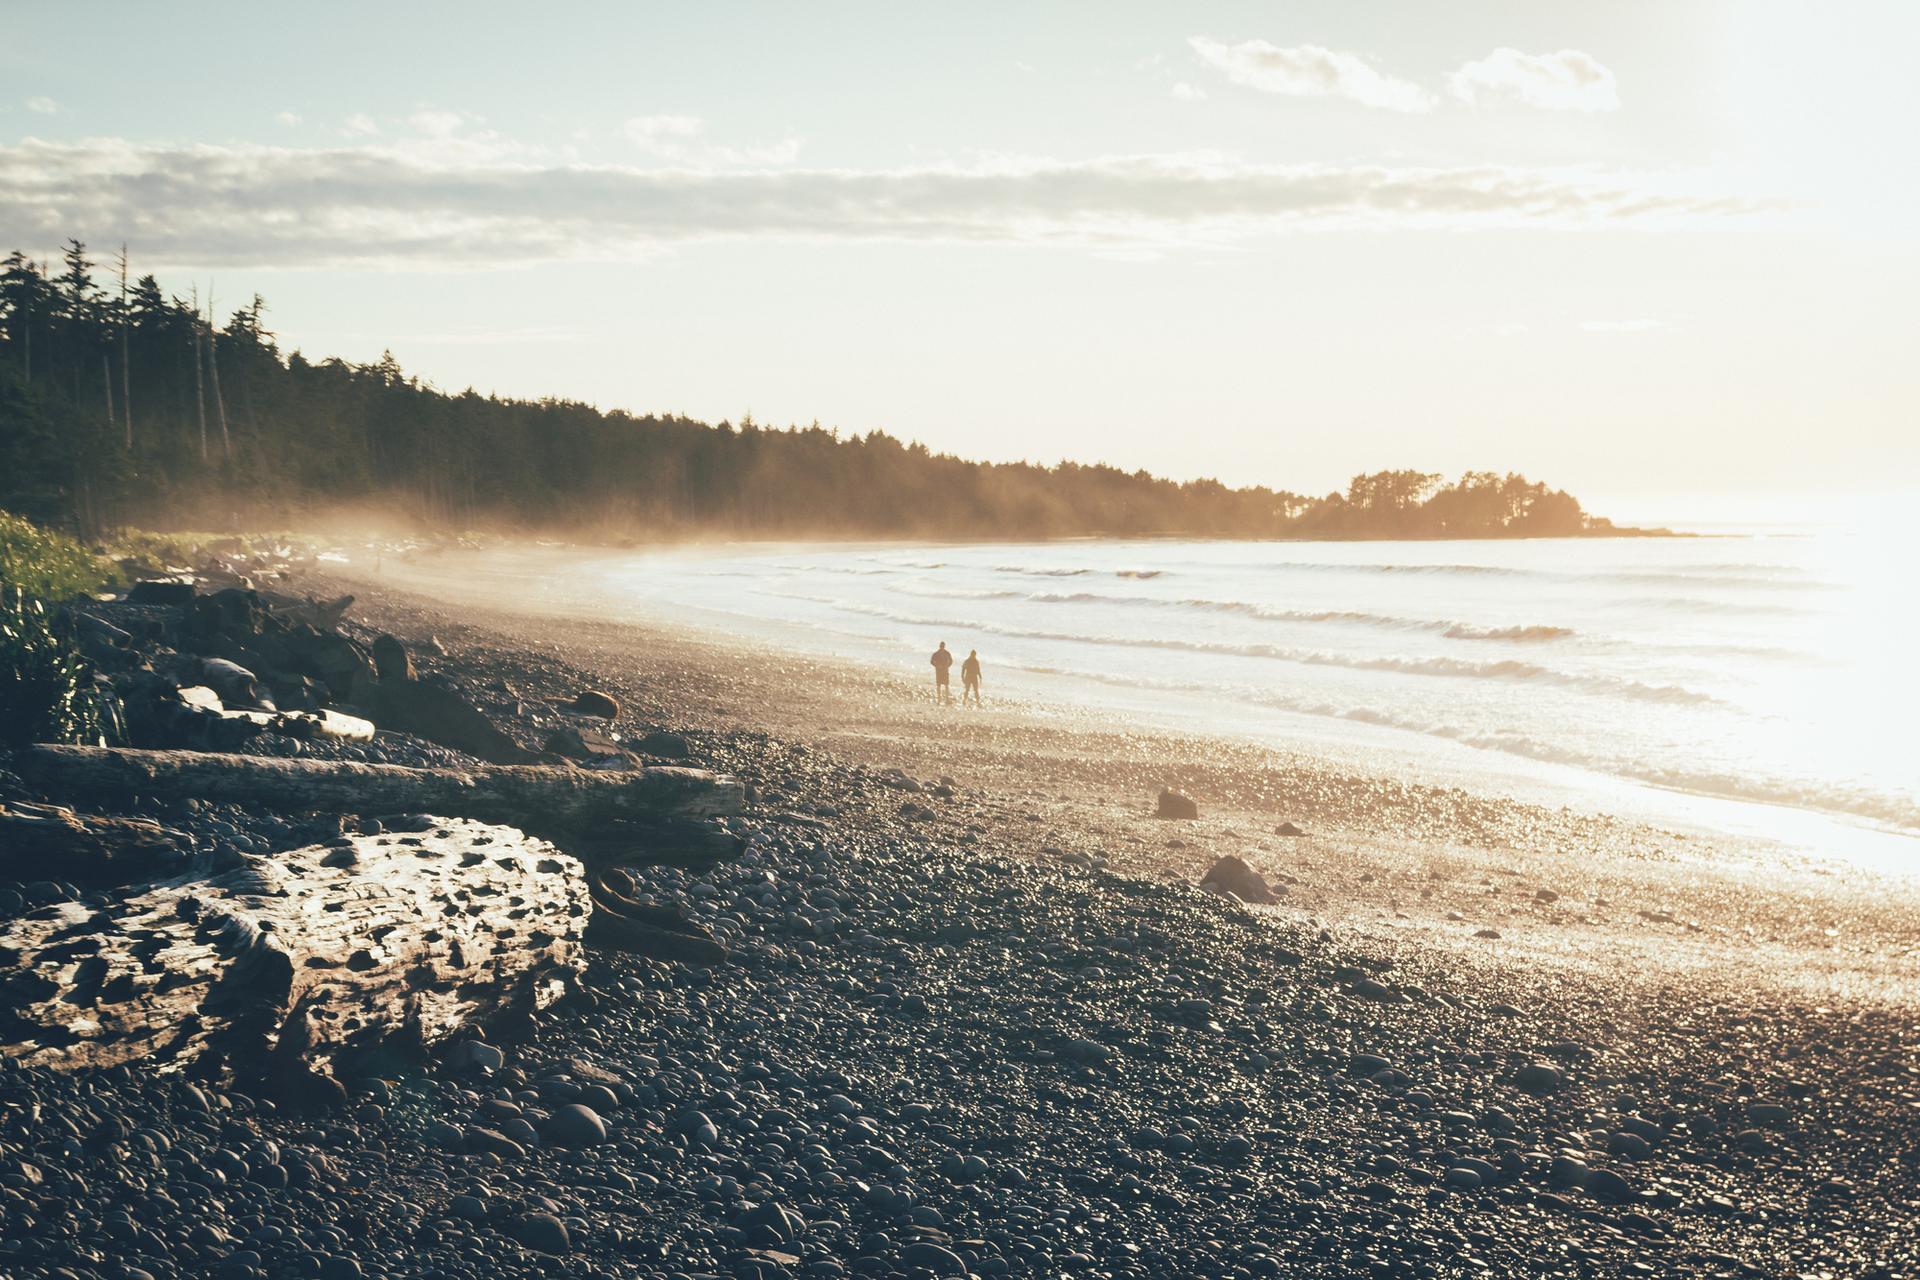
(1430, 866)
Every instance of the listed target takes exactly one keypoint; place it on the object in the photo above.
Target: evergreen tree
(306, 434)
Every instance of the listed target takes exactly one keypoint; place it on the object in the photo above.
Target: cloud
(654, 131)
(43, 106)
(1309, 71)
(677, 138)
(1185, 92)
(288, 118)
(359, 126)
(456, 205)
(1621, 326)
(436, 123)
(1565, 81)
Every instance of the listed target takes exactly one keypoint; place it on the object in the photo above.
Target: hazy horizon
(1643, 254)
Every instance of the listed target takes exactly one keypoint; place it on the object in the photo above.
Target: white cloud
(1565, 81)
(1309, 71)
(455, 204)
(288, 118)
(1186, 92)
(677, 138)
(359, 126)
(436, 123)
(654, 131)
(1621, 326)
(785, 151)
(43, 106)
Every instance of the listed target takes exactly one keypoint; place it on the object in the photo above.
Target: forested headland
(121, 404)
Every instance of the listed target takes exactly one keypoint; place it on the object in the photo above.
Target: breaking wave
(1452, 630)
(1505, 669)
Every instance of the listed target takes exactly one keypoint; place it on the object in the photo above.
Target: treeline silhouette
(122, 405)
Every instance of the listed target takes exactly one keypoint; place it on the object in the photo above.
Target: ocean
(1765, 677)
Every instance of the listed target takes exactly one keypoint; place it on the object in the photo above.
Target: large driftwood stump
(551, 802)
(48, 842)
(328, 950)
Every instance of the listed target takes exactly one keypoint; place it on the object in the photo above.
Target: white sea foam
(1771, 669)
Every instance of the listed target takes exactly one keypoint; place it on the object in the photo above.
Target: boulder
(1288, 829)
(161, 591)
(238, 687)
(231, 614)
(544, 1232)
(1174, 805)
(574, 1125)
(332, 659)
(441, 714)
(940, 1260)
(596, 750)
(1537, 1078)
(1236, 877)
(391, 660)
(661, 743)
(591, 702)
(475, 1055)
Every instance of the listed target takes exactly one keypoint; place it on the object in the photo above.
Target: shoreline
(1789, 799)
(1375, 840)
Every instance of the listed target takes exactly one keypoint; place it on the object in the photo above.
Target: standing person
(970, 678)
(942, 663)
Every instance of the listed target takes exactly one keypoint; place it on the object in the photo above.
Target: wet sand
(1434, 867)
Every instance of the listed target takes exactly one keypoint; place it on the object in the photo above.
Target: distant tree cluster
(119, 404)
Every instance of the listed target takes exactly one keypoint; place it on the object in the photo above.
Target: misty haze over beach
(771, 641)
(1765, 669)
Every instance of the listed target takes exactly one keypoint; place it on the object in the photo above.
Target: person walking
(970, 678)
(942, 663)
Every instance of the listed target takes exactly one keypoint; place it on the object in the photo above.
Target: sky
(1641, 250)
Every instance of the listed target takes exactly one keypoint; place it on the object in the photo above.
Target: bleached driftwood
(294, 724)
(547, 801)
(299, 958)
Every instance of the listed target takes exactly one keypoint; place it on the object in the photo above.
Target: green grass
(47, 692)
(40, 562)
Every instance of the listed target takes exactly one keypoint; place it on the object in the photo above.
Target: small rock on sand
(585, 746)
(574, 1125)
(1174, 805)
(661, 743)
(1242, 881)
(592, 702)
(1537, 1078)
(544, 1232)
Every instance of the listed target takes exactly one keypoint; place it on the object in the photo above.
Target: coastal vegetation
(122, 404)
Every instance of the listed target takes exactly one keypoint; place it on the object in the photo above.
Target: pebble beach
(979, 1019)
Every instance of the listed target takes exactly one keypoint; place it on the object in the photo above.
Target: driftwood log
(550, 802)
(49, 842)
(292, 961)
(660, 933)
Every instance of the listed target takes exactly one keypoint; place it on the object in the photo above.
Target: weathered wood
(293, 724)
(675, 842)
(622, 924)
(328, 950)
(546, 801)
(49, 842)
